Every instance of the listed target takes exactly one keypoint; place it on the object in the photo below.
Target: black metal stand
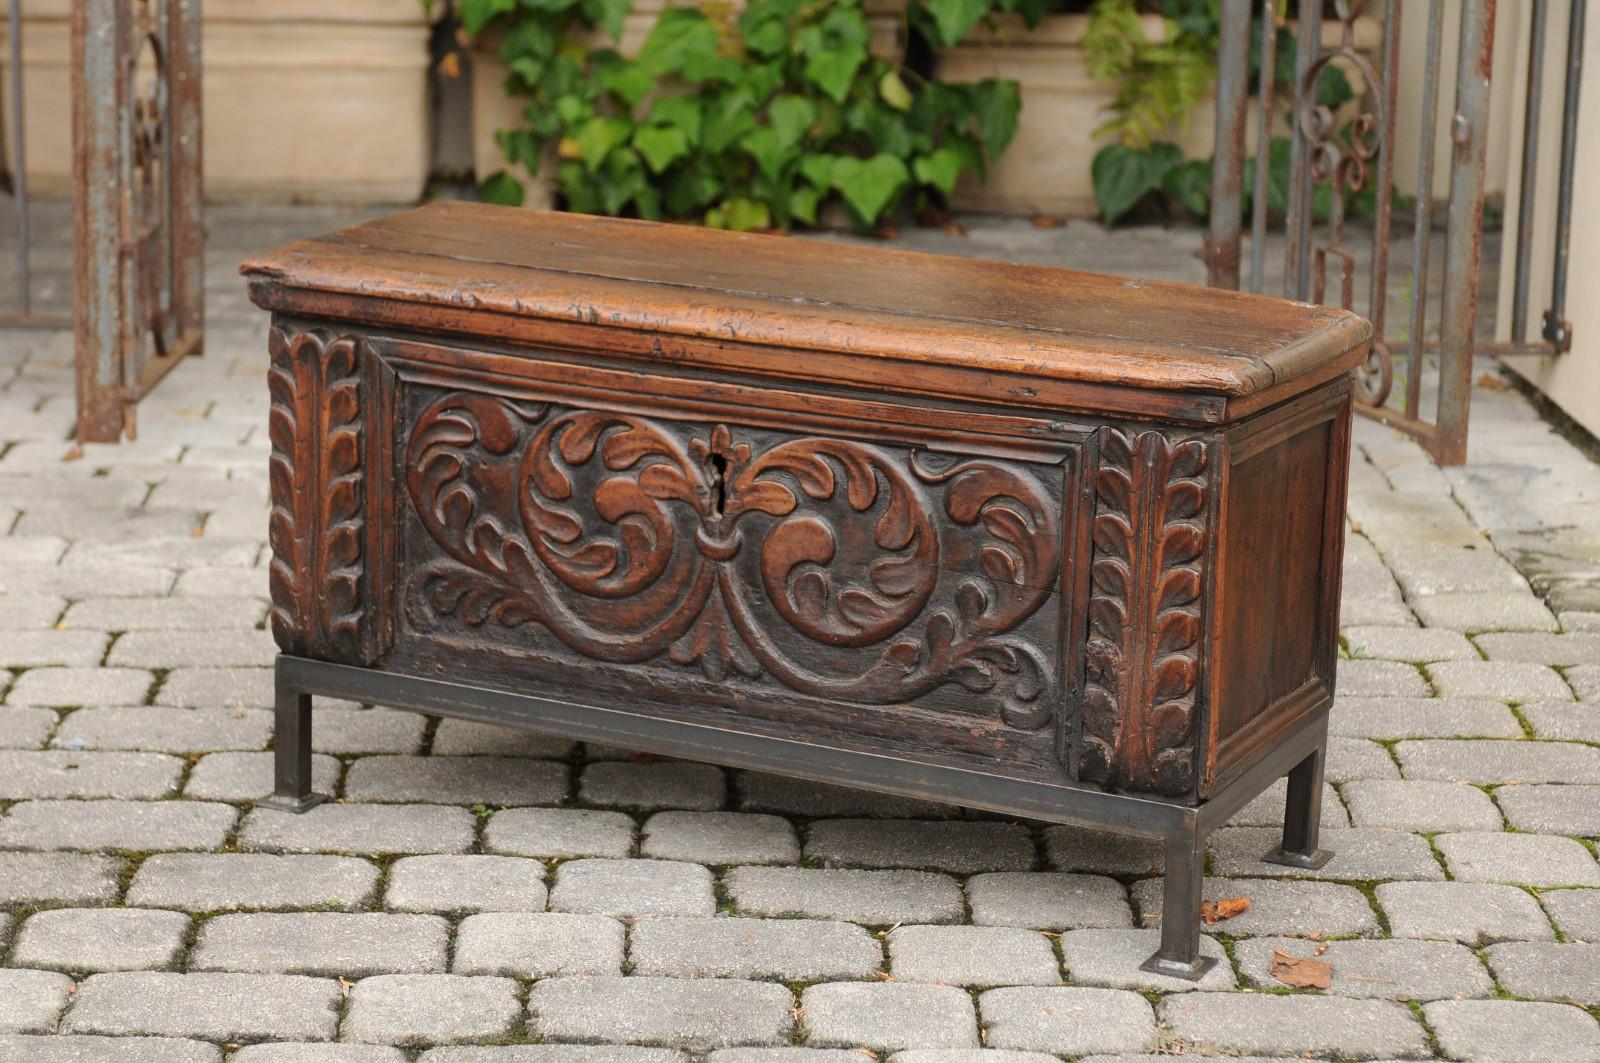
(1184, 828)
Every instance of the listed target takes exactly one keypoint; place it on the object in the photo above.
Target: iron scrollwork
(824, 564)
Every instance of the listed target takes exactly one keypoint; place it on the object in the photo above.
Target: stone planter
(494, 110)
(1046, 168)
(303, 100)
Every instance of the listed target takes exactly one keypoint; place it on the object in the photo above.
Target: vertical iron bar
(1264, 98)
(19, 166)
(1556, 328)
(1227, 168)
(96, 216)
(1464, 230)
(1530, 173)
(186, 181)
(1422, 227)
(1378, 301)
(1297, 272)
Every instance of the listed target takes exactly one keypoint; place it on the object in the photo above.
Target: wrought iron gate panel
(136, 202)
(1350, 160)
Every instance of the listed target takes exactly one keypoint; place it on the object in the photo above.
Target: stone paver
(315, 1053)
(1420, 805)
(1112, 958)
(424, 1009)
(1474, 913)
(22, 728)
(1415, 645)
(560, 832)
(466, 738)
(632, 888)
(100, 939)
(888, 1015)
(83, 1049)
(33, 1000)
(38, 879)
(1506, 680)
(81, 686)
(1544, 970)
(1293, 908)
(58, 773)
(165, 730)
(720, 838)
(1047, 900)
(1067, 1020)
(359, 829)
(103, 825)
(348, 944)
(538, 945)
(1391, 718)
(1387, 679)
(558, 1054)
(457, 780)
(1360, 854)
(1100, 853)
(248, 776)
(972, 956)
(761, 792)
(1489, 762)
(1563, 719)
(791, 950)
(216, 882)
(1294, 1025)
(1513, 1031)
(1491, 611)
(693, 1014)
(213, 1007)
(1388, 970)
(962, 848)
(1551, 809)
(1519, 859)
(1576, 912)
(649, 786)
(877, 898)
(466, 884)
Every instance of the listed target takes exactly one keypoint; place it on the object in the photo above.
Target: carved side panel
(769, 561)
(318, 485)
(1142, 660)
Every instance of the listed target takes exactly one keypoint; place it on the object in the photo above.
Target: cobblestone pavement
(480, 896)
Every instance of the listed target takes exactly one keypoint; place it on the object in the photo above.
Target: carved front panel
(784, 565)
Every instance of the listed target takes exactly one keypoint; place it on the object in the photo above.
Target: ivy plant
(747, 120)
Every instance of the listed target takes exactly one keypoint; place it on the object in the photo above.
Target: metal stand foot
(1179, 954)
(291, 777)
(1302, 817)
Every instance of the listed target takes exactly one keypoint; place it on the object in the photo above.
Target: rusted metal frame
(1464, 230)
(1266, 89)
(1555, 328)
(186, 176)
(97, 27)
(1422, 216)
(1297, 272)
(1227, 164)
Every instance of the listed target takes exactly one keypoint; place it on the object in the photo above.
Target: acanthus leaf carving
(632, 539)
(1142, 656)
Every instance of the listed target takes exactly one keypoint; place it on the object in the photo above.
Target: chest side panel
(875, 581)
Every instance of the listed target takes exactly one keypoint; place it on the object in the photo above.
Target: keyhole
(719, 484)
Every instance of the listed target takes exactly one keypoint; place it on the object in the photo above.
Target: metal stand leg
(1179, 954)
(1302, 816)
(292, 752)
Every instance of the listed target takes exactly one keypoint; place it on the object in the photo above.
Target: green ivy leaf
(742, 215)
(818, 169)
(629, 82)
(997, 104)
(894, 91)
(790, 117)
(598, 136)
(803, 202)
(500, 187)
(682, 112)
(1122, 175)
(728, 119)
(939, 169)
(832, 71)
(869, 185)
(682, 34)
(608, 15)
(661, 146)
(770, 153)
(475, 14)
(1189, 185)
(955, 17)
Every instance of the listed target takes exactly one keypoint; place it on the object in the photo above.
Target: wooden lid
(896, 321)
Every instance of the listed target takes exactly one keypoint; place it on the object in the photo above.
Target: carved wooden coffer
(1050, 526)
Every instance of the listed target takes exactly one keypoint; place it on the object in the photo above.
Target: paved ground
(484, 890)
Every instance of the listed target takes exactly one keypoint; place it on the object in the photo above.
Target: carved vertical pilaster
(318, 485)
(1143, 655)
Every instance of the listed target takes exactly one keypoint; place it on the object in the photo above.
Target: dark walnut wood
(958, 520)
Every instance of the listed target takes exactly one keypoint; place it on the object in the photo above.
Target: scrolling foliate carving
(1142, 658)
(843, 569)
(317, 477)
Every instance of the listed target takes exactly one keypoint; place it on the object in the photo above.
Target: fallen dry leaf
(1223, 908)
(346, 985)
(1046, 221)
(1301, 972)
(1320, 949)
(1493, 383)
(74, 452)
